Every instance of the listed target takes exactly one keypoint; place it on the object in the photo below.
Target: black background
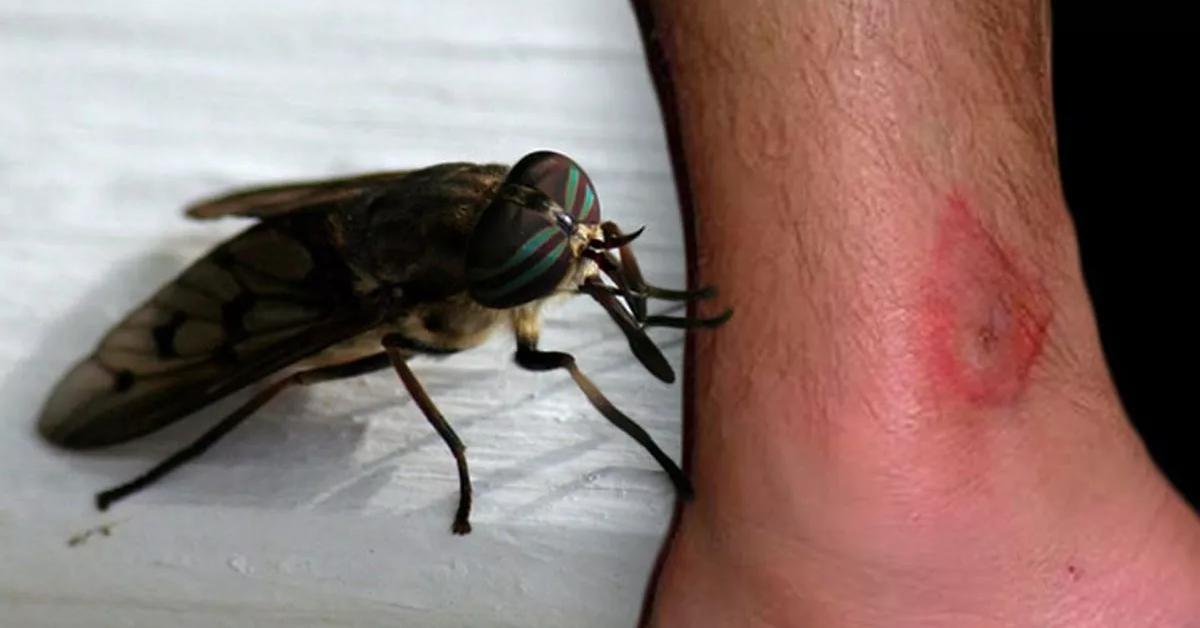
(1124, 84)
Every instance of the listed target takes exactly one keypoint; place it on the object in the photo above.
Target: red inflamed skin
(982, 320)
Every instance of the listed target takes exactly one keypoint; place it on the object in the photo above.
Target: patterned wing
(271, 296)
(285, 198)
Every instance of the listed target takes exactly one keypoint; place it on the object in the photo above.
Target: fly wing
(285, 198)
(269, 297)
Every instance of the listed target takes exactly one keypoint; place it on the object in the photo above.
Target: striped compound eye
(520, 248)
(561, 179)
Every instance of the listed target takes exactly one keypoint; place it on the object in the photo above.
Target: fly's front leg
(530, 358)
(394, 346)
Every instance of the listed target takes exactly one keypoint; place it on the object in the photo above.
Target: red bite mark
(982, 320)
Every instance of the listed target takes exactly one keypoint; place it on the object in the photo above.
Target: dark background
(1124, 84)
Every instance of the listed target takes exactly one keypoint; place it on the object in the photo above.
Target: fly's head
(539, 235)
(542, 235)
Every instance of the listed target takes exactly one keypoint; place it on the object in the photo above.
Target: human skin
(909, 421)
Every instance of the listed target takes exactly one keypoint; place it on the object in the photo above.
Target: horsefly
(346, 276)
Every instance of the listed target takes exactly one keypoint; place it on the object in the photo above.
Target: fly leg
(208, 439)
(397, 355)
(530, 358)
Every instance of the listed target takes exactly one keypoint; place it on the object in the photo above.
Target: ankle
(1105, 569)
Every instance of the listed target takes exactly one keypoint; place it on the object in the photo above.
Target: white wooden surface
(332, 506)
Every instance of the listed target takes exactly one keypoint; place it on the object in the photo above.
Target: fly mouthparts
(640, 344)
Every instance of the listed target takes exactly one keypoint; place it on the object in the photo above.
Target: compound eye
(517, 252)
(561, 179)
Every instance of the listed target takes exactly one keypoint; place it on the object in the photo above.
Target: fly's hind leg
(208, 439)
(394, 345)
